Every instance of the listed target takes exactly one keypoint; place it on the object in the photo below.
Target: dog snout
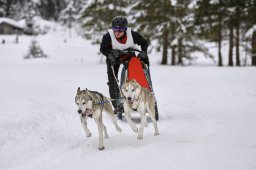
(79, 111)
(129, 98)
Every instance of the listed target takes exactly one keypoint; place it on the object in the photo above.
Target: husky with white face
(139, 99)
(92, 104)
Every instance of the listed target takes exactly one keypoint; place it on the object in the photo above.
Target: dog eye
(126, 90)
(133, 89)
(77, 103)
(84, 102)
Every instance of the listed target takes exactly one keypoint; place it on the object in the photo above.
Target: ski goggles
(119, 29)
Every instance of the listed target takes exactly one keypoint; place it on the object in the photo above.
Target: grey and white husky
(92, 104)
(139, 99)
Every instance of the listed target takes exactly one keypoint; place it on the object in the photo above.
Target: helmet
(119, 21)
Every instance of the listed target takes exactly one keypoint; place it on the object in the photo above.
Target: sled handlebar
(130, 52)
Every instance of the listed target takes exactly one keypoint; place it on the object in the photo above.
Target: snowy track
(207, 117)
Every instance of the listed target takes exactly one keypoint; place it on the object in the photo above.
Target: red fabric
(135, 71)
(122, 40)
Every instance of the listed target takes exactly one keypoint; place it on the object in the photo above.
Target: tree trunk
(173, 55)
(237, 47)
(219, 53)
(231, 45)
(237, 37)
(8, 8)
(220, 64)
(254, 48)
(180, 55)
(165, 47)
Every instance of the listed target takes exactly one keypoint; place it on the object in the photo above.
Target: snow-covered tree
(209, 22)
(97, 15)
(35, 51)
(68, 17)
(155, 20)
(31, 12)
(50, 9)
(250, 24)
(7, 8)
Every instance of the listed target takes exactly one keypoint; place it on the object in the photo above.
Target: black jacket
(106, 44)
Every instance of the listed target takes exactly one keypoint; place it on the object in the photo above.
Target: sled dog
(92, 104)
(139, 99)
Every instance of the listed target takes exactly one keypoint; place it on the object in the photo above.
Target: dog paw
(89, 135)
(119, 129)
(156, 134)
(140, 137)
(101, 148)
(135, 130)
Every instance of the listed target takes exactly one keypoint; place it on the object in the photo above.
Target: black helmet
(119, 21)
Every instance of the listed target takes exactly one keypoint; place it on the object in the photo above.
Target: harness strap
(110, 100)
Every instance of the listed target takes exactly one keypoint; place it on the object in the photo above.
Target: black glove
(117, 52)
(143, 57)
(112, 59)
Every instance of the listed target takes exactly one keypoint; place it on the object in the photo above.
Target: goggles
(119, 29)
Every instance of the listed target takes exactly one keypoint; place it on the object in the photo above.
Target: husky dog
(139, 99)
(92, 104)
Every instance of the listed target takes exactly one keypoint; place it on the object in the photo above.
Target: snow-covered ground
(207, 114)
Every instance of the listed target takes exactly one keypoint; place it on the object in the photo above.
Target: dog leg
(142, 125)
(111, 115)
(132, 125)
(115, 123)
(98, 120)
(105, 132)
(84, 125)
(151, 112)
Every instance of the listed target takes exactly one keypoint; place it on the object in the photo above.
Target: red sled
(134, 68)
(136, 71)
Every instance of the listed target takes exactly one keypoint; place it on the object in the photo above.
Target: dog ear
(137, 84)
(126, 78)
(134, 80)
(78, 90)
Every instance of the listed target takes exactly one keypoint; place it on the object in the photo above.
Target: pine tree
(209, 22)
(35, 51)
(97, 15)
(31, 12)
(250, 25)
(154, 19)
(51, 9)
(8, 8)
(185, 38)
(68, 16)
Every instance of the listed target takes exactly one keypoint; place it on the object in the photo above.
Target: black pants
(112, 84)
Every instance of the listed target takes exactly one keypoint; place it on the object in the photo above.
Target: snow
(10, 21)
(207, 114)
(249, 33)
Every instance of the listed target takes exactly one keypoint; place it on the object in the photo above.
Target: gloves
(117, 53)
(143, 57)
(112, 59)
(114, 55)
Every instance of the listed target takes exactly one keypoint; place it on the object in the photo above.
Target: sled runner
(134, 68)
